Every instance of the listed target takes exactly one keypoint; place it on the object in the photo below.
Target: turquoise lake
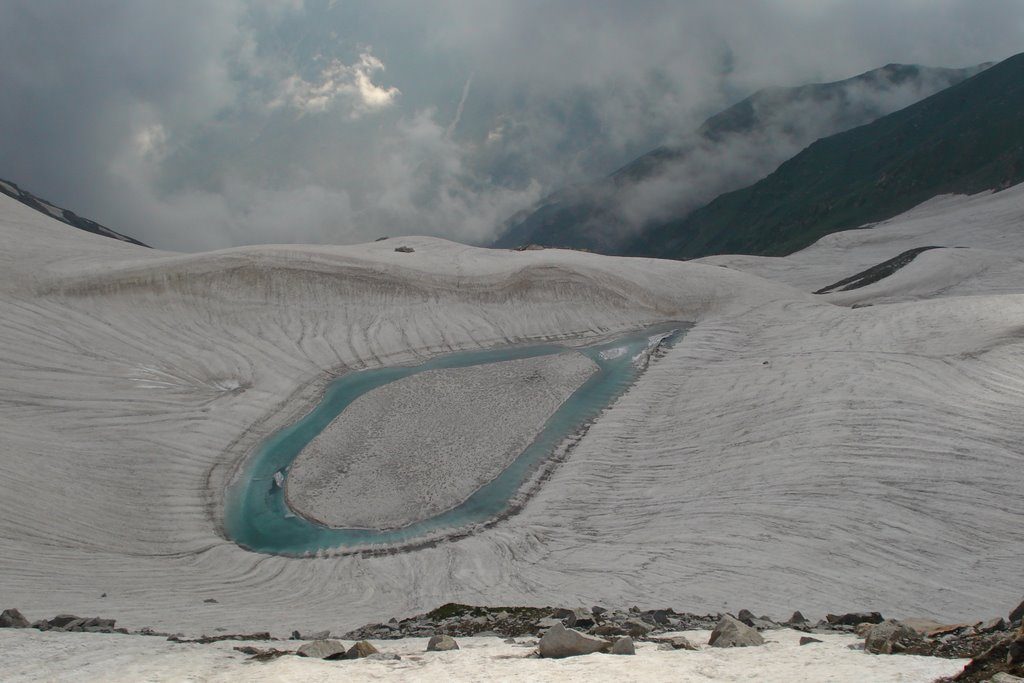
(257, 517)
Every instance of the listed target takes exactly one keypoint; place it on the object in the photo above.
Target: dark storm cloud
(194, 125)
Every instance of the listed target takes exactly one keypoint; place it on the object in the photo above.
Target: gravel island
(395, 456)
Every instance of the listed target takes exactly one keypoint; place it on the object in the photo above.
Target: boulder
(730, 632)
(861, 630)
(623, 646)
(561, 642)
(581, 618)
(854, 618)
(360, 650)
(807, 640)
(322, 649)
(890, 637)
(62, 620)
(992, 625)
(636, 628)
(12, 618)
(746, 616)
(1017, 614)
(441, 643)
(798, 619)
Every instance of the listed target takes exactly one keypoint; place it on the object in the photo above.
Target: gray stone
(623, 646)
(797, 619)
(807, 640)
(560, 642)
(404, 250)
(12, 618)
(549, 622)
(730, 632)
(890, 637)
(746, 616)
(62, 620)
(360, 650)
(322, 649)
(441, 643)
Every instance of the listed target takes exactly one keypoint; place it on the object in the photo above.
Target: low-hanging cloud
(193, 125)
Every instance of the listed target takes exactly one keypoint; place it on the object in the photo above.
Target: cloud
(352, 84)
(195, 124)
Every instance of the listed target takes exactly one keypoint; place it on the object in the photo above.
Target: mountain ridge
(730, 150)
(61, 214)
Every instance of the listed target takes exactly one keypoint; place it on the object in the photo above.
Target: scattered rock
(442, 643)
(404, 250)
(206, 640)
(360, 650)
(807, 640)
(1006, 656)
(730, 632)
(12, 618)
(322, 649)
(259, 655)
(623, 646)
(890, 637)
(561, 642)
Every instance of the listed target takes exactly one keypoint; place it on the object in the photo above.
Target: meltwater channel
(257, 517)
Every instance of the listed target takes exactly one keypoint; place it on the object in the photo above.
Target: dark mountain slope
(965, 139)
(730, 150)
(71, 218)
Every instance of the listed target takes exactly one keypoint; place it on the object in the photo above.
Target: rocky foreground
(996, 646)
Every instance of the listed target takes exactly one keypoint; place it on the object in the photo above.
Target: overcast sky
(194, 125)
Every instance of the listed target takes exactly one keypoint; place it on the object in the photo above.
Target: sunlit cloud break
(351, 84)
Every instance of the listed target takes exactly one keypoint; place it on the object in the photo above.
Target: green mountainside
(965, 139)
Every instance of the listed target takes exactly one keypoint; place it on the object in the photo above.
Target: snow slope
(31, 655)
(788, 453)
